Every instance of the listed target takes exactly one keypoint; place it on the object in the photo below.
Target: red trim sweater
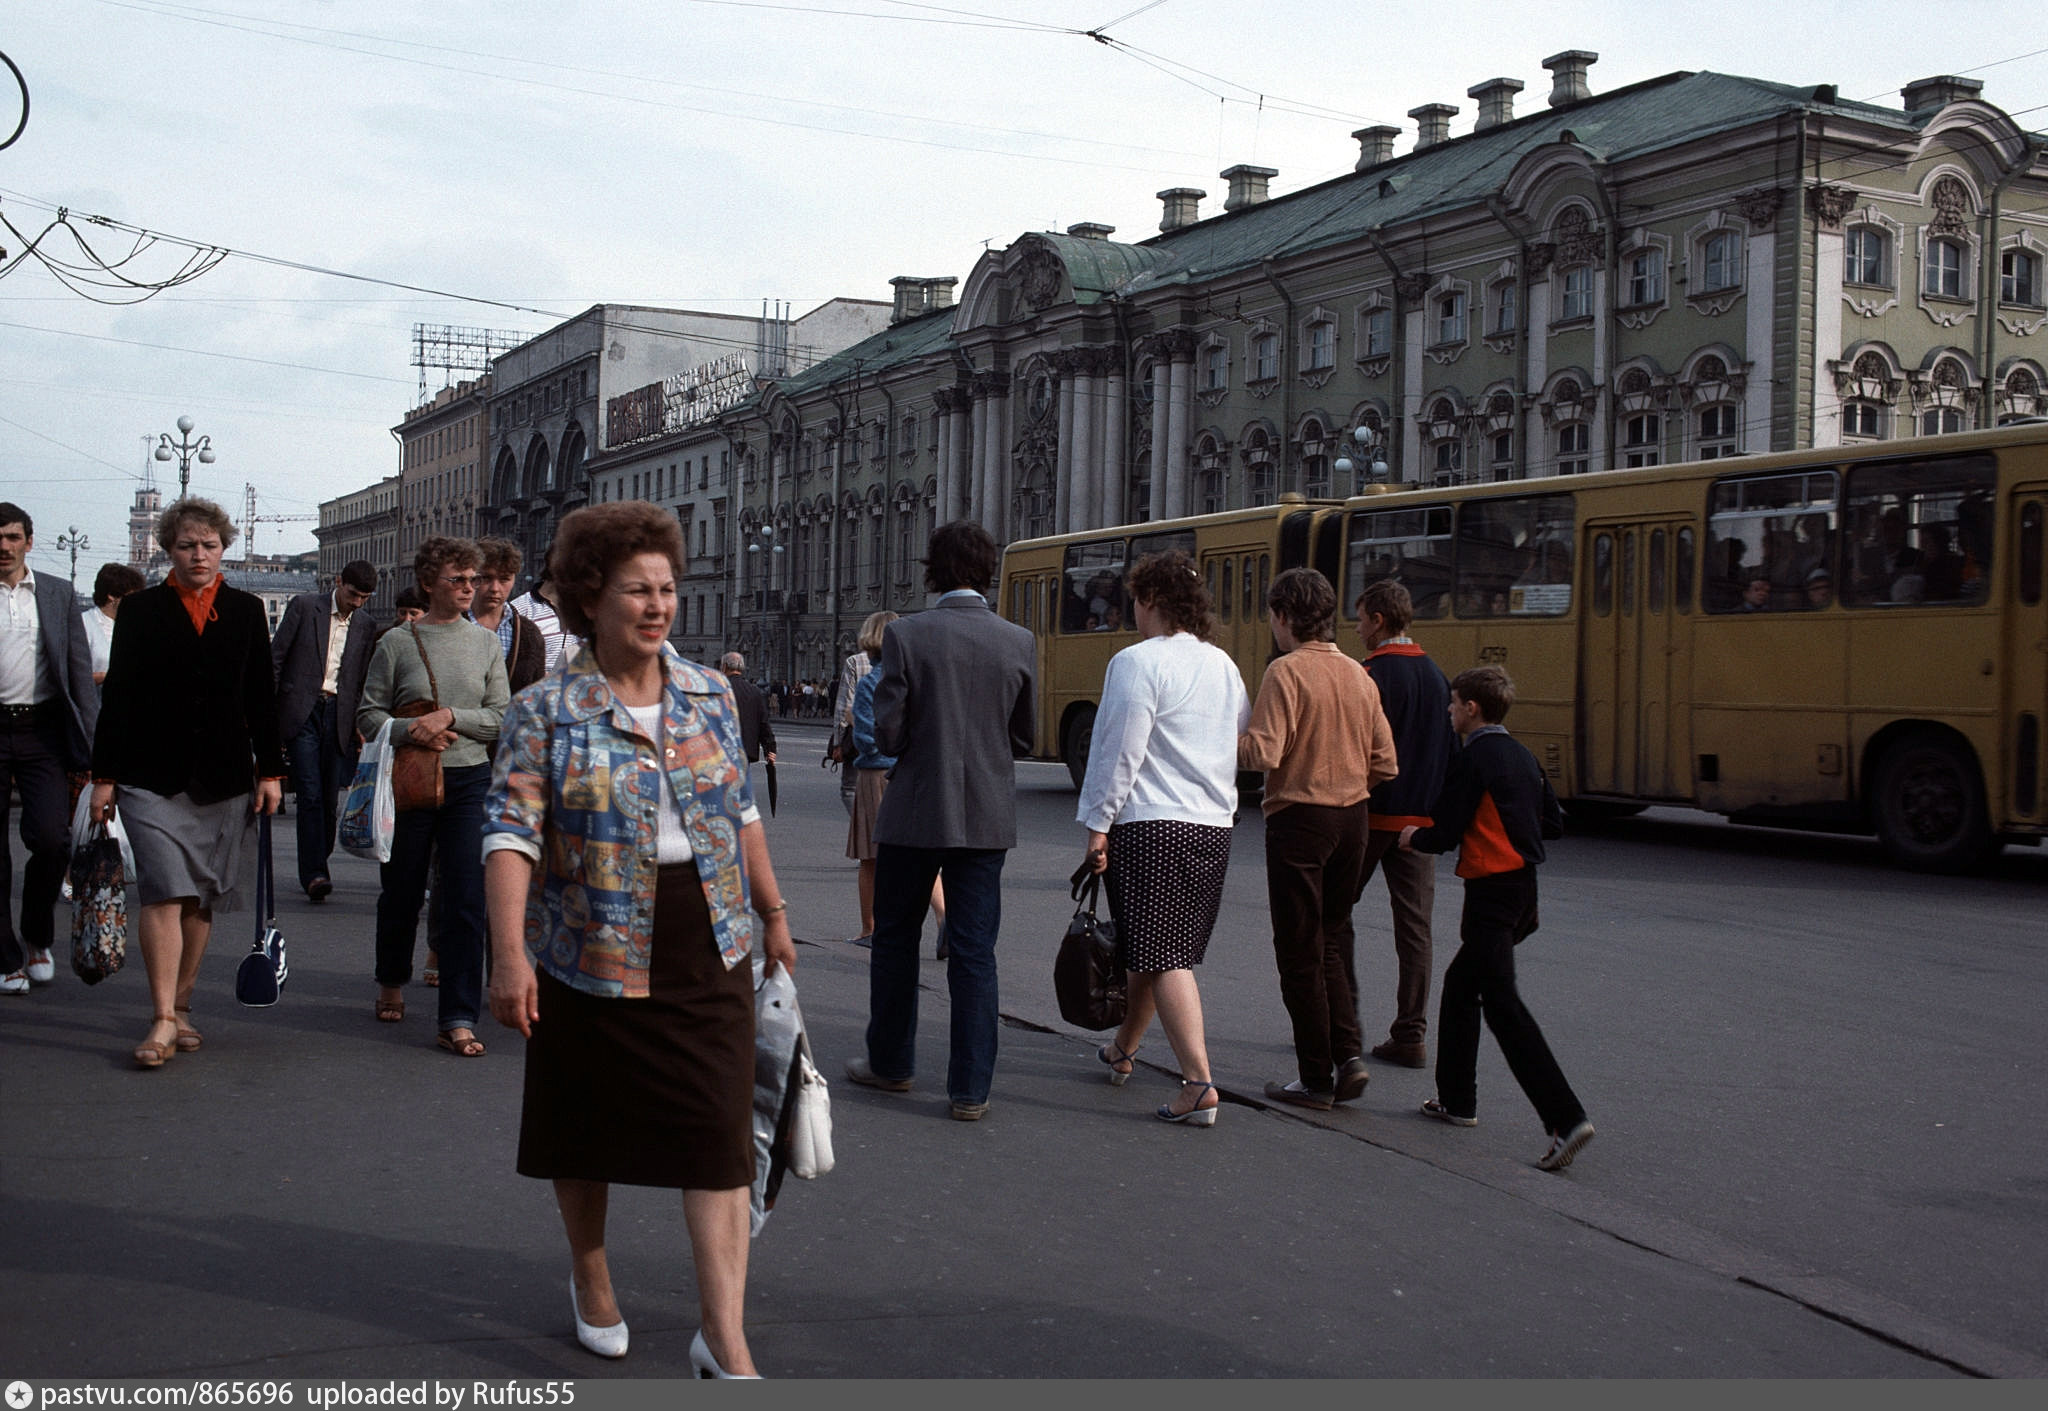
(1496, 807)
(1416, 698)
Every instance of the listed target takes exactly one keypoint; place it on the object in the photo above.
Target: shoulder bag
(260, 978)
(99, 906)
(415, 769)
(1087, 976)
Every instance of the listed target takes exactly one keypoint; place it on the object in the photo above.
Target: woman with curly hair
(1158, 803)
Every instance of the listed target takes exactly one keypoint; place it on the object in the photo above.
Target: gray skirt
(186, 849)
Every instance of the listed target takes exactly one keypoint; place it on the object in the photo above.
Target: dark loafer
(1301, 1097)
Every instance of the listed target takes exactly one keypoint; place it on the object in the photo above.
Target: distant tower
(143, 553)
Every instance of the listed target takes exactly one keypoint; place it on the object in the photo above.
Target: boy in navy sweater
(1496, 809)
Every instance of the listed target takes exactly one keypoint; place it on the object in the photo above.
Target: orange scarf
(198, 602)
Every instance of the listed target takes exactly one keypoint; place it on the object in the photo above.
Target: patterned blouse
(575, 789)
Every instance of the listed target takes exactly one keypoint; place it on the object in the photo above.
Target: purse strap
(266, 888)
(432, 685)
(1084, 886)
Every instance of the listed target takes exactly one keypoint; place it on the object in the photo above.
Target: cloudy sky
(696, 153)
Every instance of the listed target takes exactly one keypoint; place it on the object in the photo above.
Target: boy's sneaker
(41, 969)
(15, 984)
(1565, 1146)
(1433, 1108)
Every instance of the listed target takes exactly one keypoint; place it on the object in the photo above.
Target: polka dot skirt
(1165, 887)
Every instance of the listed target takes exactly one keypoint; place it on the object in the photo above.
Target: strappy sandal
(1196, 1116)
(1117, 1076)
(471, 1047)
(431, 976)
(151, 1053)
(390, 1011)
(189, 1038)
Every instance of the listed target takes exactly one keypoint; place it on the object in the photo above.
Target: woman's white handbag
(810, 1118)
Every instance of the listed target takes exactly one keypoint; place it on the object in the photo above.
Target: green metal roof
(1096, 268)
(1461, 173)
(905, 342)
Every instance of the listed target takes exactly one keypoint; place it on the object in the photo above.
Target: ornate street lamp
(74, 541)
(1371, 448)
(184, 450)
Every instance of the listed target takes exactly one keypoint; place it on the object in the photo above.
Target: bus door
(1634, 659)
(2027, 651)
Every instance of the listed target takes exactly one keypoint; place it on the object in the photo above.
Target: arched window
(1945, 269)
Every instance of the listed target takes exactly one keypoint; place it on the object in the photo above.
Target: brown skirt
(868, 787)
(648, 1092)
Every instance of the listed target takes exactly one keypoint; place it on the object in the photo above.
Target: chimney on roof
(1090, 230)
(918, 295)
(1247, 185)
(1432, 124)
(1940, 91)
(1180, 206)
(1568, 76)
(1375, 145)
(1496, 98)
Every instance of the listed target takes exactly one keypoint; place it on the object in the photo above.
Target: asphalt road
(1817, 1084)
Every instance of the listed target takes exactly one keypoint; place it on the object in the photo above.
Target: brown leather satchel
(415, 769)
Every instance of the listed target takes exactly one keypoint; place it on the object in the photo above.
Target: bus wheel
(1928, 803)
(1080, 734)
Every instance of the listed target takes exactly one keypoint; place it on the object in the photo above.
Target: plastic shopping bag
(83, 830)
(367, 814)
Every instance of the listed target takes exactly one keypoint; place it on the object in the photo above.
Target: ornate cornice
(1760, 206)
(1410, 288)
(1830, 204)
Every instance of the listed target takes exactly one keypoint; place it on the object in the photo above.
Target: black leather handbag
(260, 978)
(1086, 976)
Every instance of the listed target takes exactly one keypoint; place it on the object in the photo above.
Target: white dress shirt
(20, 625)
(337, 642)
(1165, 743)
(99, 630)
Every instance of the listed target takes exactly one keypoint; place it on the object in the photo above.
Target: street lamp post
(74, 541)
(1371, 450)
(764, 539)
(184, 450)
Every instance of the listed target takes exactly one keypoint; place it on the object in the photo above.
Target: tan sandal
(154, 1053)
(189, 1038)
(471, 1047)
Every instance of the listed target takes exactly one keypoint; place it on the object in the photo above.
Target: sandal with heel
(154, 1053)
(1196, 1116)
(1117, 1076)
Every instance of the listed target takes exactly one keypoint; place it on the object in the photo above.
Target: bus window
(1603, 574)
(1515, 557)
(1251, 612)
(2030, 555)
(1228, 600)
(1768, 536)
(1093, 597)
(1681, 573)
(1181, 539)
(1628, 573)
(1216, 586)
(1265, 581)
(1919, 531)
(1656, 570)
(1413, 546)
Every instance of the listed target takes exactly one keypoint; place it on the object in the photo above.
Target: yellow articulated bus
(1851, 639)
(1068, 589)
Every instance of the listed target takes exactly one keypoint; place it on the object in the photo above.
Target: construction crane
(250, 519)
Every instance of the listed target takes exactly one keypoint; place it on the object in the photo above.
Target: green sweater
(468, 666)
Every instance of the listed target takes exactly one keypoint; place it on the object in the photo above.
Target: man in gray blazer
(48, 708)
(955, 703)
(320, 650)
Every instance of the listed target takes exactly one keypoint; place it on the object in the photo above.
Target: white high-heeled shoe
(706, 1365)
(605, 1342)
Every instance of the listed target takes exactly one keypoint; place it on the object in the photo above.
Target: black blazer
(182, 713)
(298, 658)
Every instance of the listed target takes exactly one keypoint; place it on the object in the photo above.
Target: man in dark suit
(48, 708)
(321, 649)
(955, 704)
(756, 734)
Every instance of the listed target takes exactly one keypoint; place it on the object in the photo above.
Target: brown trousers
(1411, 888)
(1315, 857)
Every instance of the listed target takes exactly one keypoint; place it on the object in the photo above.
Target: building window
(1578, 293)
(1574, 439)
(1450, 318)
(1503, 455)
(1379, 333)
(1641, 438)
(1862, 419)
(1506, 317)
(1646, 277)
(1941, 421)
(2019, 278)
(1945, 269)
(1265, 357)
(1719, 253)
(1322, 345)
(1215, 367)
(1865, 252)
(1448, 456)
(1717, 431)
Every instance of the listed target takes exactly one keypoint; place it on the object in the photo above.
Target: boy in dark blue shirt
(1496, 809)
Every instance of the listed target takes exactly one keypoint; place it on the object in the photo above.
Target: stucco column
(1065, 502)
(977, 475)
(1180, 426)
(943, 401)
(1115, 478)
(1162, 414)
(963, 453)
(1087, 467)
(1000, 458)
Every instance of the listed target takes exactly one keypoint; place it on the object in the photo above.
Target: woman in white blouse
(115, 582)
(1158, 803)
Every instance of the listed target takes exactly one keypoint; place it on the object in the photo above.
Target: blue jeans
(319, 772)
(454, 833)
(974, 914)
